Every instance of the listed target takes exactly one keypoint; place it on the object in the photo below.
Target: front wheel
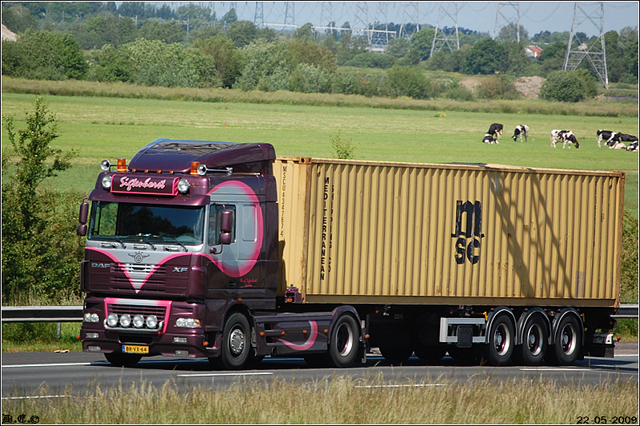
(343, 344)
(122, 360)
(236, 344)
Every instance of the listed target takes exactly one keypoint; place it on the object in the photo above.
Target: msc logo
(472, 231)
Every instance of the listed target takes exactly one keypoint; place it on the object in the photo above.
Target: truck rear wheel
(122, 360)
(568, 341)
(395, 354)
(501, 341)
(343, 344)
(534, 345)
(236, 345)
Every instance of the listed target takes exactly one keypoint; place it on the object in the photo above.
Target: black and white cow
(605, 135)
(565, 136)
(633, 146)
(495, 130)
(618, 145)
(521, 130)
(489, 139)
(622, 137)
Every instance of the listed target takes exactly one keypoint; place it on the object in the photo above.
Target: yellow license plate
(130, 349)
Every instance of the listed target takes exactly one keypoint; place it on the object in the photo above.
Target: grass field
(101, 128)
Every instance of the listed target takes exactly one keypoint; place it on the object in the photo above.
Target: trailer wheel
(395, 354)
(501, 341)
(568, 341)
(236, 345)
(343, 346)
(122, 360)
(534, 346)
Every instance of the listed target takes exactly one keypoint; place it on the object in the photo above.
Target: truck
(225, 251)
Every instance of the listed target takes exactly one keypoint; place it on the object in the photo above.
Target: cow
(618, 145)
(566, 136)
(622, 137)
(495, 130)
(520, 130)
(605, 135)
(489, 139)
(633, 146)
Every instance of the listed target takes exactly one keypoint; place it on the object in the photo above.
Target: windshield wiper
(178, 242)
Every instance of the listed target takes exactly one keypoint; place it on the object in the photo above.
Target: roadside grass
(339, 400)
(100, 128)
(40, 337)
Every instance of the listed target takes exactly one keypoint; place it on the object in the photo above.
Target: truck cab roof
(177, 156)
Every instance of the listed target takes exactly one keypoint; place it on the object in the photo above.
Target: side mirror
(226, 223)
(81, 230)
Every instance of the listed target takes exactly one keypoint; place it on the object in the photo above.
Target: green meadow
(111, 127)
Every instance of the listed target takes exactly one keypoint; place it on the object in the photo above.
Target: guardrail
(74, 313)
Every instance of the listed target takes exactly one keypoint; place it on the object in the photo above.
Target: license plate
(131, 349)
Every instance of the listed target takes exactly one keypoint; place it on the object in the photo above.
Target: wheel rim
(344, 339)
(534, 339)
(236, 341)
(568, 339)
(502, 339)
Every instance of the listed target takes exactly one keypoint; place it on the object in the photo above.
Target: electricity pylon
(440, 38)
(593, 50)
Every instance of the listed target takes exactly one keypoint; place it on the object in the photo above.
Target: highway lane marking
(224, 374)
(425, 385)
(49, 365)
(36, 397)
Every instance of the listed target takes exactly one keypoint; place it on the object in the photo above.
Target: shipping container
(406, 233)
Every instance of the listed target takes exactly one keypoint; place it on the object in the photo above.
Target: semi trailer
(220, 250)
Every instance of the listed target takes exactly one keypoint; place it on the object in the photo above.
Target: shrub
(310, 79)
(370, 60)
(458, 92)
(498, 87)
(267, 67)
(408, 81)
(342, 148)
(110, 65)
(564, 86)
(629, 281)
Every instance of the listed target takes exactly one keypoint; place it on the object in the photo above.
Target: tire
(535, 342)
(567, 342)
(396, 354)
(431, 353)
(501, 341)
(236, 344)
(122, 360)
(344, 341)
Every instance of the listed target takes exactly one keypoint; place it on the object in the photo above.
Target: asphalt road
(47, 374)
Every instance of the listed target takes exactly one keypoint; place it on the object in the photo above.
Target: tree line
(105, 43)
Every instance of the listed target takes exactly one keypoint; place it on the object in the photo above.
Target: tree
(308, 52)
(228, 61)
(32, 260)
(242, 33)
(421, 45)
(398, 47)
(169, 32)
(485, 57)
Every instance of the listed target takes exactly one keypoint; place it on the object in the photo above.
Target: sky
(477, 16)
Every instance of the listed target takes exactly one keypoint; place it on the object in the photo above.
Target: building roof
(7, 34)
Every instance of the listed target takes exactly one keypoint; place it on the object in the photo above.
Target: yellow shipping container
(407, 233)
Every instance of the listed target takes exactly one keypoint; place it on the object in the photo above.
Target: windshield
(146, 223)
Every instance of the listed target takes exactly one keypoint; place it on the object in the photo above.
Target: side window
(215, 213)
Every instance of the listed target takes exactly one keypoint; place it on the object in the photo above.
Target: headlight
(91, 317)
(188, 322)
(183, 186)
(152, 321)
(105, 165)
(112, 320)
(106, 182)
(125, 320)
(138, 321)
